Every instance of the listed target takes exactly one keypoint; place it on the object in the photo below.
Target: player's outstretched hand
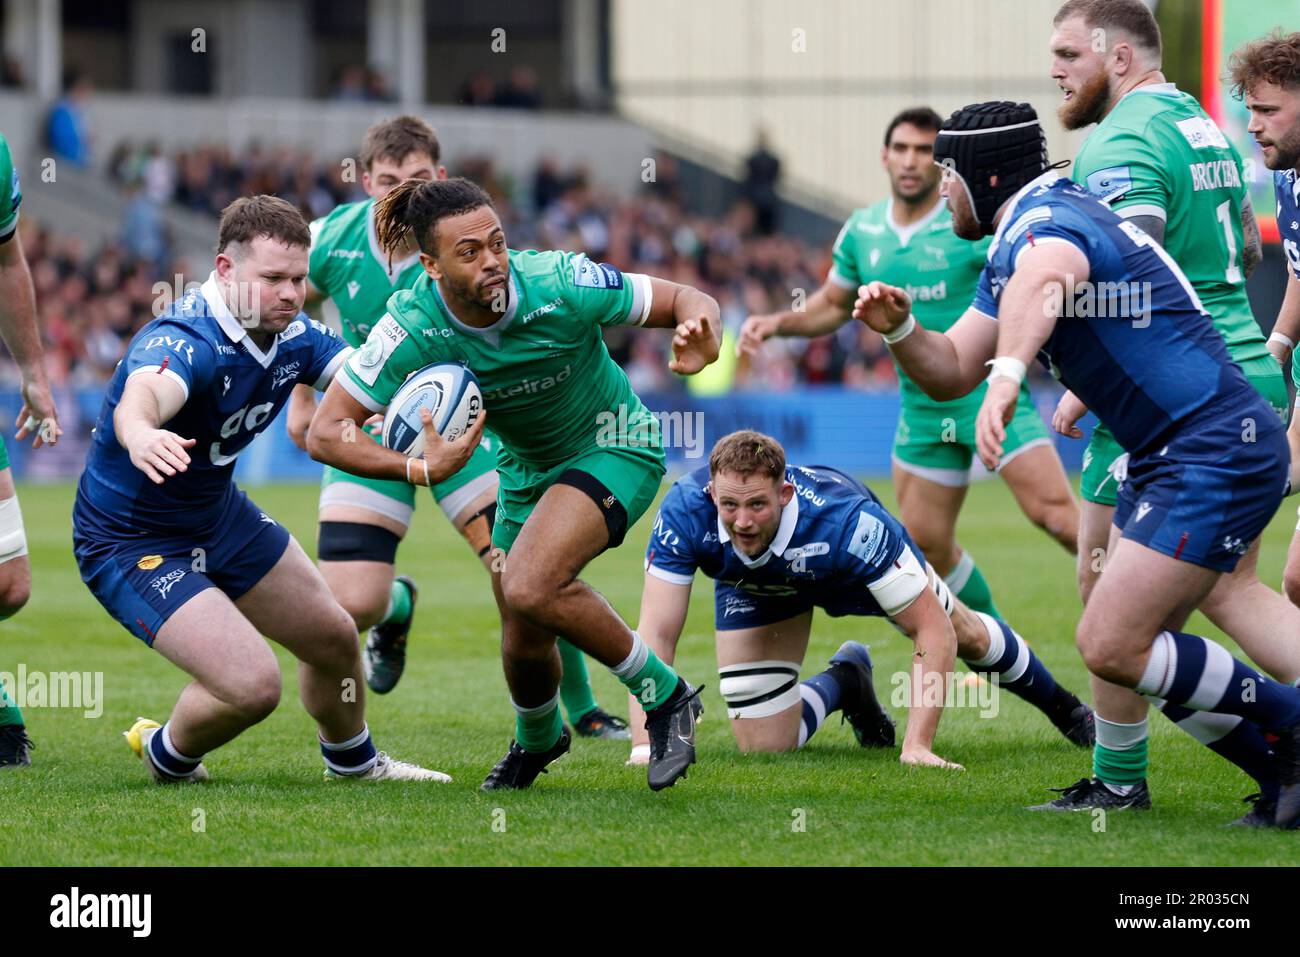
(1069, 411)
(991, 420)
(882, 307)
(159, 454)
(927, 758)
(755, 331)
(694, 346)
(447, 458)
(38, 415)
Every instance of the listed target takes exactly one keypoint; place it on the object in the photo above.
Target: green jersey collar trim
(401, 265)
(905, 233)
(491, 333)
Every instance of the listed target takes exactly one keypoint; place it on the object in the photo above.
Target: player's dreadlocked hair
(414, 208)
(746, 453)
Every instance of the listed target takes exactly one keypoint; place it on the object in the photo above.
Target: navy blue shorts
(1208, 494)
(142, 581)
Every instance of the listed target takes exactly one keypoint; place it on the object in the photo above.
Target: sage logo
(74, 909)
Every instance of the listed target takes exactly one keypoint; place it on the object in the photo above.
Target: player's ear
(884, 156)
(430, 265)
(442, 173)
(225, 266)
(787, 493)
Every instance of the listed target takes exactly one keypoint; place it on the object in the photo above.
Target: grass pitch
(87, 801)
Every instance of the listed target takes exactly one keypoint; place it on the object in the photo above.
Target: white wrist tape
(1007, 367)
(902, 332)
(415, 481)
(1285, 340)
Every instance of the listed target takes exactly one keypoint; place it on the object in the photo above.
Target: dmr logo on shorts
(74, 910)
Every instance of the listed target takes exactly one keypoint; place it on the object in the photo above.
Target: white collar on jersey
(235, 332)
(1045, 178)
(493, 332)
(780, 541)
(905, 233)
(1159, 89)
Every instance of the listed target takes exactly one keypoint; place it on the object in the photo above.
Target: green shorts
(396, 500)
(4, 454)
(1101, 459)
(938, 443)
(632, 475)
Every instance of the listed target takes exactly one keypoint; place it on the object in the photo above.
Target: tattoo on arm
(1253, 253)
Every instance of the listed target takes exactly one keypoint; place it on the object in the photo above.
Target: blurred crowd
(92, 300)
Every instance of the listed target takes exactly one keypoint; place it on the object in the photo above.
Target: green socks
(575, 682)
(399, 604)
(9, 713)
(969, 586)
(645, 675)
(537, 729)
(1119, 758)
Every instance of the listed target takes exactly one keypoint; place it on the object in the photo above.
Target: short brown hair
(251, 216)
(922, 117)
(747, 453)
(398, 137)
(1132, 17)
(1271, 59)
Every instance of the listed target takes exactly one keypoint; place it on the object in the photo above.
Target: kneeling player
(781, 541)
(182, 558)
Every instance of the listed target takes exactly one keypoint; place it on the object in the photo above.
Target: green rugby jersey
(11, 196)
(1157, 153)
(549, 384)
(938, 269)
(347, 265)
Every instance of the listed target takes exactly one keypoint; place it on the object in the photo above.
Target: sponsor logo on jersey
(872, 229)
(805, 492)
(1201, 133)
(1216, 174)
(354, 287)
(595, 275)
(385, 337)
(164, 583)
(225, 385)
(928, 293)
(874, 258)
(807, 551)
(868, 538)
(528, 387)
(180, 346)
(346, 254)
(666, 536)
(1143, 509)
(149, 562)
(225, 350)
(543, 310)
(296, 328)
(430, 332)
(1235, 545)
(284, 373)
(1111, 183)
(736, 606)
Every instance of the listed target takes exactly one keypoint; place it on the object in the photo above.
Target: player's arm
(302, 406)
(148, 402)
(931, 631)
(825, 311)
(663, 615)
(1045, 274)
(1286, 330)
(23, 339)
(946, 365)
(694, 318)
(1252, 253)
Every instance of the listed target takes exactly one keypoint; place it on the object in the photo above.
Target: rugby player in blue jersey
(1106, 310)
(780, 541)
(178, 554)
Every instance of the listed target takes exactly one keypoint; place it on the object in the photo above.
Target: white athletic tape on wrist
(1285, 340)
(640, 754)
(895, 590)
(13, 538)
(1007, 367)
(758, 689)
(902, 332)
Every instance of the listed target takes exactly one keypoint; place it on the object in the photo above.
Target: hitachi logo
(1216, 174)
(928, 293)
(528, 387)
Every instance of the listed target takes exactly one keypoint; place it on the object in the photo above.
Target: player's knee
(15, 590)
(1102, 656)
(1058, 518)
(365, 609)
(527, 591)
(939, 548)
(258, 695)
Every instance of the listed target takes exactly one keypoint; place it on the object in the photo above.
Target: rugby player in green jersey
(579, 458)
(38, 416)
(362, 520)
(907, 241)
(1161, 162)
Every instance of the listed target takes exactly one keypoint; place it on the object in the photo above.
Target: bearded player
(780, 541)
(182, 558)
(527, 324)
(362, 521)
(1208, 457)
(907, 241)
(22, 338)
(1160, 162)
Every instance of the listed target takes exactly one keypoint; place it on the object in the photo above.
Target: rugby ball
(451, 394)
